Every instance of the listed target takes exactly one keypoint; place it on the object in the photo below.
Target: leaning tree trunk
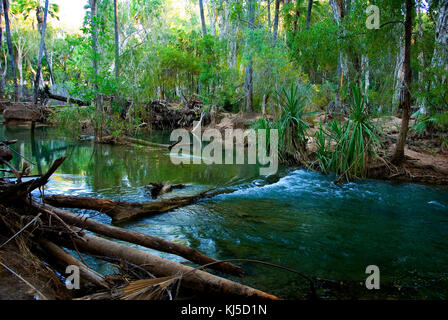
(117, 41)
(10, 50)
(41, 53)
(398, 156)
(204, 27)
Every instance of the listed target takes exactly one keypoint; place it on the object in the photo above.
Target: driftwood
(141, 239)
(67, 259)
(123, 211)
(196, 280)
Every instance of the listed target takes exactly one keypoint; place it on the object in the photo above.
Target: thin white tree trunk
(440, 57)
(399, 77)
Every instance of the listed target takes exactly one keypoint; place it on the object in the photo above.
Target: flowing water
(299, 219)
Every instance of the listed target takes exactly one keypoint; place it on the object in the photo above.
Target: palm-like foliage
(346, 148)
(291, 124)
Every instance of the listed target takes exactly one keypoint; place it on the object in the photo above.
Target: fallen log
(140, 239)
(50, 95)
(68, 260)
(196, 280)
(131, 141)
(123, 211)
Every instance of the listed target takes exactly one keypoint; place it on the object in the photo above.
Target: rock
(22, 112)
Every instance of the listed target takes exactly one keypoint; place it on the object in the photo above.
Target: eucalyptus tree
(440, 56)
(26, 8)
(94, 35)
(276, 21)
(340, 10)
(308, 16)
(201, 9)
(2, 70)
(249, 67)
(398, 156)
(10, 49)
(117, 41)
(41, 52)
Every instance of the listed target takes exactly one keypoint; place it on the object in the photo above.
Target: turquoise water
(298, 219)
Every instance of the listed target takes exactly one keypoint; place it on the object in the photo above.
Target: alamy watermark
(226, 149)
(373, 280)
(73, 280)
(373, 18)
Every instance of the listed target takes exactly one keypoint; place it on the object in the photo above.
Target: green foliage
(291, 124)
(425, 122)
(346, 148)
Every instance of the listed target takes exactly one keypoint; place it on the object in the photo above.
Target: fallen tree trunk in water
(141, 239)
(68, 260)
(196, 280)
(123, 211)
(131, 141)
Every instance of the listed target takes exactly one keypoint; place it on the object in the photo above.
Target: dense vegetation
(285, 58)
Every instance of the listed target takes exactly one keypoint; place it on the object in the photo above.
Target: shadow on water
(300, 220)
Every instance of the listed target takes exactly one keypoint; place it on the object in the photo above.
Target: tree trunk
(398, 156)
(10, 50)
(308, 16)
(201, 9)
(276, 18)
(197, 280)
(365, 70)
(20, 69)
(41, 53)
(39, 29)
(93, 7)
(268, 2)
(440, 57)
(141, 240)
(249, 69)
(340, 9)
(212, 17)
(117, 41)
(2, 85)
(399, 90)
